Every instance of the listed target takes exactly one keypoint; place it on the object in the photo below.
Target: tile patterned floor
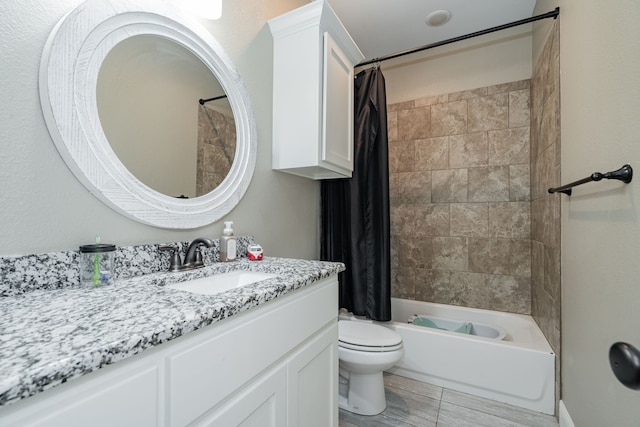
(412, 403)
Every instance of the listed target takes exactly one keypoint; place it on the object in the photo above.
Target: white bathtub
(518, 370)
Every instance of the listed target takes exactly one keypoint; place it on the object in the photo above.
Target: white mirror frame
(71, 61)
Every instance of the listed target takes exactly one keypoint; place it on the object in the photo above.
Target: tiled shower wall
(545, 207)
(460, 198)
(216, 148)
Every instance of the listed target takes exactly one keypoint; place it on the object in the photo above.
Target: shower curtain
(355, 211)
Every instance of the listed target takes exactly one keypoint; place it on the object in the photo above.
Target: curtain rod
(203, 101)
(553, 14)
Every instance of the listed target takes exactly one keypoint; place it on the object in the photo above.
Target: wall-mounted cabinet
(313, 63)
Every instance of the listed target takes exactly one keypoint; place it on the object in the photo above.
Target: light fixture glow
(438, 18)
(208, 9)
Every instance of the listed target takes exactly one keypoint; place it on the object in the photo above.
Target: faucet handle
(198, 261)
(175, 262)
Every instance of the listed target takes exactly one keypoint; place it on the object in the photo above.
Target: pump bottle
(228, 244)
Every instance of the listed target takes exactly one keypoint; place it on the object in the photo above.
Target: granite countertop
(50, 336)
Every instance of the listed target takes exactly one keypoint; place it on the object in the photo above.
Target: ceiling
(383, 27)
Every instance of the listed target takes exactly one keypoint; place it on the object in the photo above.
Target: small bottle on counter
(228, 244)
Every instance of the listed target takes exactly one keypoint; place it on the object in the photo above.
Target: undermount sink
(221, 282)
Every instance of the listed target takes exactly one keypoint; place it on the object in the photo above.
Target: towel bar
(624, 174)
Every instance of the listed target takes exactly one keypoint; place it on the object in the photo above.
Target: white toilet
(365, 350)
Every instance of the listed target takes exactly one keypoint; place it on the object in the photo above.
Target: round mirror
(112, 74)
(151, 103)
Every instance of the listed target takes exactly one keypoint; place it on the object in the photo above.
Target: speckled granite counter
(50, 336)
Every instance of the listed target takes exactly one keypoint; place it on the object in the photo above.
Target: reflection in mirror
(147, 96)
(72, 60)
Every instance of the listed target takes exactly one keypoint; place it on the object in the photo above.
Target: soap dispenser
(228, 246)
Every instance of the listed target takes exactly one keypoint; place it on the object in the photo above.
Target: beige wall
(44, 208)
(600, 103)
(491, 59)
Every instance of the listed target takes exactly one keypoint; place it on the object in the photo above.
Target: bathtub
(518, 369)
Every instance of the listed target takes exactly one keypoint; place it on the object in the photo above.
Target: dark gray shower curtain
(355, 211)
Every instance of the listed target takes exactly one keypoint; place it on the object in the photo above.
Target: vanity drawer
(230, 353)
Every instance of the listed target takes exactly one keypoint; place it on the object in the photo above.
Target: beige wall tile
(537, 265)
(519, 183)
(400, 106)
(520, 257)
(474, 286)
(468, 150)
(552, 272)
(509, 293)
(432, 154)
(403, 283)
(449, 185)
(509, 146)
(469, 219)
(431, 100)
(449, 118)
(394, 183)
(509, 220)
(401, 156)
(537, 226)
(465, 240)
(548, 172)
(488, 112)
(468, 94)
(489, 256)
(392, 126)
(435, 286)
(402, 217)
(415, 252)
(414, 187)
(488, 184)
(519, 110)
(450, 253)
(414, 123)
(508, 87)
(430, 220)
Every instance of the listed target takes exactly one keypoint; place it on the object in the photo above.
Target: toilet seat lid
(366, 334)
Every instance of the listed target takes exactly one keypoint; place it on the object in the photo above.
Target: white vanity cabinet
(313, 61)
(273, 365)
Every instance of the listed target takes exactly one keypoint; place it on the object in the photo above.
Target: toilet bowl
(365, 350)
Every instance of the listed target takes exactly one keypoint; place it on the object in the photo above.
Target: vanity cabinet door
(207, 368)
(263, 403)
(113, 396)
(313, 382)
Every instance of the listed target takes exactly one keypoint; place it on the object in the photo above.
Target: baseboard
(564, 417)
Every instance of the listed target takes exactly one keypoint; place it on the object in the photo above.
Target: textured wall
(39, 190)
(545, 207)
(216, 148)
(459, 178)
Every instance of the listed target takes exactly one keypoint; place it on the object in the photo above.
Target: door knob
(625, 363)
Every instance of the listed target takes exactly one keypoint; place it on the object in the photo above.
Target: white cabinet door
(313, 382)
(313, 60)
(337, 106)
(112, 397)
(262, 404)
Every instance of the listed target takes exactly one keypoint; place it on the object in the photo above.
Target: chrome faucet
(193, 258)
